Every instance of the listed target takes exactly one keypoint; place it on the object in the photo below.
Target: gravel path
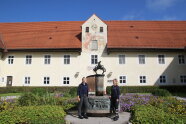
(73, 119)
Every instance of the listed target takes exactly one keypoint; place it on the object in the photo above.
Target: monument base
(98, 105)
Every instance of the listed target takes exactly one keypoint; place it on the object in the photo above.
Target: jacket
(115, 92)
(82, 89)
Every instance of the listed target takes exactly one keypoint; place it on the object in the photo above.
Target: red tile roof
(146, 34)
(34, 35)
(67, 34)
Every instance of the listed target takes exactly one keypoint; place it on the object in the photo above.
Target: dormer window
(101, 29)
(87, 29)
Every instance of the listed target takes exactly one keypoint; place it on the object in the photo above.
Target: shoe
(80, 117)
(85, 116)
(115, 118)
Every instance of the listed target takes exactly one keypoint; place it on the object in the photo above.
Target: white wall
(82, 64)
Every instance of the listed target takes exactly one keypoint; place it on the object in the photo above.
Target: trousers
(83, 105)
(114, 106)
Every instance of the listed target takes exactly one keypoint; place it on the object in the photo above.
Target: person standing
(115, 93)
(83, 99)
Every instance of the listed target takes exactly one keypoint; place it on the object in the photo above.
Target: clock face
(94, 27)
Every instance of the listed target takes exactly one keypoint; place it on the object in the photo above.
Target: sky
(81, 10)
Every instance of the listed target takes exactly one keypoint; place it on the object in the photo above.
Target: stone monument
(99, 103)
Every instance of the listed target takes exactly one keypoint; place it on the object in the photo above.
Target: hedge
(73, 90)
(33, 115)
(147, 114)
(149, 89)
(21, 89)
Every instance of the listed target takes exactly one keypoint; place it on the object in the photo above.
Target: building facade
(137, 53)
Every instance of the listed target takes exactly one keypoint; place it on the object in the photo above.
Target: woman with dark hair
(115, 93)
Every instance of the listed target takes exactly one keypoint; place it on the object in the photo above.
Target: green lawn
(11, 94)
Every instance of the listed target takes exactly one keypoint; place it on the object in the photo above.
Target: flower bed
(153, 109)
(129, 100)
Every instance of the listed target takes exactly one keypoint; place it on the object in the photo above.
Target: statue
(99, 66)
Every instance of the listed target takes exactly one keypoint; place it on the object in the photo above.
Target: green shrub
(4, 105)
(73, 91)
(66, 103)
(147, 114)
(39, 91)
(28, 99)
(33, 115)
(161, 92)
(174, 106)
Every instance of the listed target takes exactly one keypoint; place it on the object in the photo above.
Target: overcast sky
(78, 10)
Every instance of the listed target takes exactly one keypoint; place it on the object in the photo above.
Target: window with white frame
(181, 59)
(28, 59)
(10, 59)
(122, 79)
(27, 80)
(94, 59)
(142, 79)
(66, 80)
(183, 78)
(121, 59)
(141, 59)
(161, 59)
(94, 45)
(66, 59)
(162, 79)
(47, 59)
(46, 80)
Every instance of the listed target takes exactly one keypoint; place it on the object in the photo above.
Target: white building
(138, 53)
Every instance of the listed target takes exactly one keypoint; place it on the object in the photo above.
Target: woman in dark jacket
(115, 93)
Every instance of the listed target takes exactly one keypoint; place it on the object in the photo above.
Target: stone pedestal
(98, 105)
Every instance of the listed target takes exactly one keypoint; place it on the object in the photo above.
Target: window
(66, 59)
(47, 59)
(122, 79)
(94, 45)
(94, 59)
(183, 78)
(162, 79)
(10, 59)
(27, 80)
(46, 80)
(101, 29)
(142, 79)
(141, 59)
(121, 59)
(66, 80)
(181, 59)
(161, 59)
(28, 59)
(87, 29)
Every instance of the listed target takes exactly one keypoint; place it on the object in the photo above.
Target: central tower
(94, 35)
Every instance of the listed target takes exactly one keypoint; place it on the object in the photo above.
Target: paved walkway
(73, 119)
(180, 98)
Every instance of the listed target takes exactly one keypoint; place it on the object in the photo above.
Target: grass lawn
(11, 94)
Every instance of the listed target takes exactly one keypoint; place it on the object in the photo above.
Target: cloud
(128, 17)
(160, 4)
(134, 16)
(169, 18)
